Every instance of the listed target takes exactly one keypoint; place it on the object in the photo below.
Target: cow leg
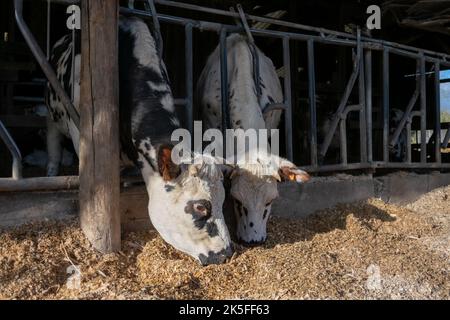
(53, 148)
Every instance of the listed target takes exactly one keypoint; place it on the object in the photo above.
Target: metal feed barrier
(361, 74)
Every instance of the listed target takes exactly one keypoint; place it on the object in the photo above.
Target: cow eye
(269, 203)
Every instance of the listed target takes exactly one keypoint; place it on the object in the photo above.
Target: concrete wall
(294, 201)
(298, 200)
(399, 188)
(406, 187)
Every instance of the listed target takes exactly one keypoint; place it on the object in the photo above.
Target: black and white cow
(185, 201)
(253, 187)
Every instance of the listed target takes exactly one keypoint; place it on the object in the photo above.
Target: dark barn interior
(422, 24)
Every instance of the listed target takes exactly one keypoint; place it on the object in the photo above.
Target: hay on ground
(362, 251)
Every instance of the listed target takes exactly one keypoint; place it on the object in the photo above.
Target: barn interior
(422, 24)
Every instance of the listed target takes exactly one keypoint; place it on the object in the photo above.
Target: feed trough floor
(367, 250)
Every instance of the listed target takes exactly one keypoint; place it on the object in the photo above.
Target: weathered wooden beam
(99, 127)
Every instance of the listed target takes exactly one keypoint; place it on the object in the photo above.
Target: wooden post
(99, 128)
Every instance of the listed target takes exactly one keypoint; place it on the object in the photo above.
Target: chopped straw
(367, 250)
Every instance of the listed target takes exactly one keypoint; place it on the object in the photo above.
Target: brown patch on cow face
(167, 168)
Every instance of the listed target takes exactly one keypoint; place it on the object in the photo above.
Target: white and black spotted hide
(185, 203)
(252, 192)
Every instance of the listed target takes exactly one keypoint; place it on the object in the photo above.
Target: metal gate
(361, 75)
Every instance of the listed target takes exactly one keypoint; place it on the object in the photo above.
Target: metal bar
(29, 99)
(312, 102)
(14, 150)
(343, 131)
(256, 77)
(342, 104)
(423, 112)
(385, 104)
(202, 25)
(338, 167)
(415, 114)
(39, 184)
(413, 165)
(350, 108)
(26, 83)
(362, 102)
(72, 72)
(446, 139)
(416, 74)
(375, 165)
(303, 37)
(189, 78)
(216, 27)
(46, 67)
(414, 55)
(159, 40)
(406, 115)
(213, 26)
(322, 31)
(48, 29)
(287, 98)
(407, 54)
(343, 141)
(224, 82)
(437, 106)
(368, 86)
(244, 23)
(408, 141)
(251, 17)
(253, 50)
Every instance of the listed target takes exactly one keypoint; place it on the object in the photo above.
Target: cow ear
(288, 171)
(292, 173)
(167, 168)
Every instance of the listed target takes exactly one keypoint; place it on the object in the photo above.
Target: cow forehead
(253, 189)
(205, 180)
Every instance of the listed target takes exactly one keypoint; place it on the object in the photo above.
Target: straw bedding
(365, 250)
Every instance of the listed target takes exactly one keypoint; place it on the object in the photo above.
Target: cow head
(185, 207)
(254, 188)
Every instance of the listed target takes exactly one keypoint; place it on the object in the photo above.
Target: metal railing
(362, 73)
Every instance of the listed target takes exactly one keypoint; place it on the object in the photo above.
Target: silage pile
(361, 251)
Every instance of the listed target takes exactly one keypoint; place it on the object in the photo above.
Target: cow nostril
(201, 208)
(251, 224)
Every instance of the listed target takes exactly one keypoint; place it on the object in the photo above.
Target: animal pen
(99, 180)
